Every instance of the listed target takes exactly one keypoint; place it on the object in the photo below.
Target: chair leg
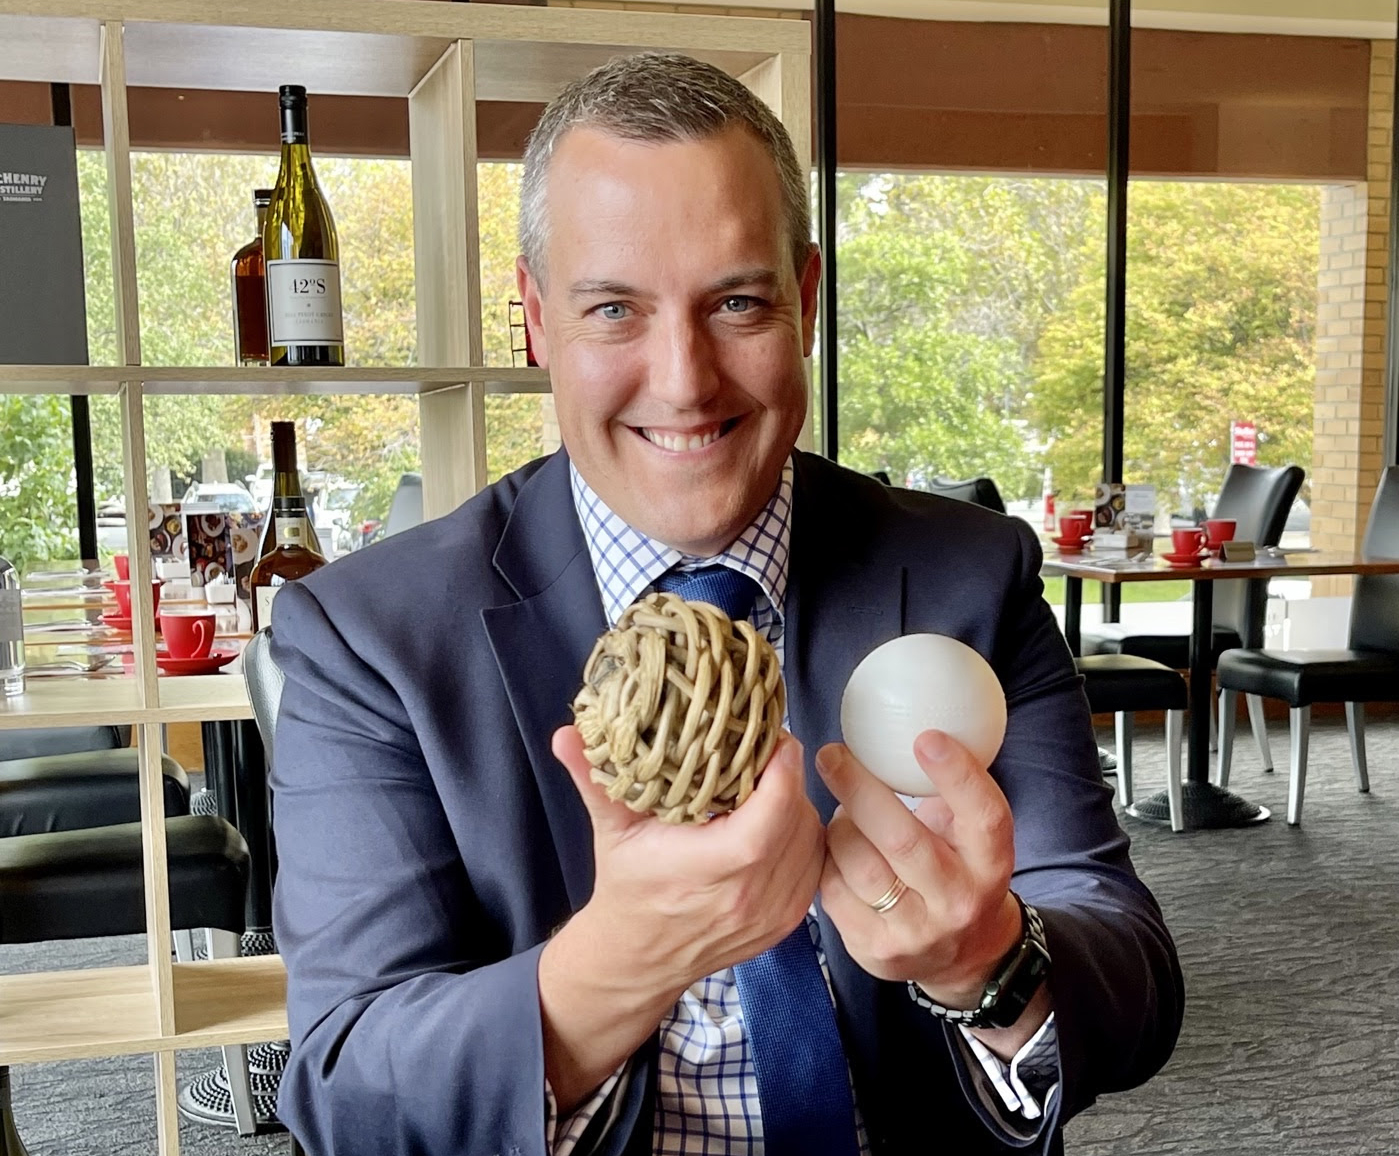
(1297, 781)
(225, 945)
(1260, 730)
(1228, 706)
(1124, 722)
(1175, 734)
(184, 946)
(1214, 734)
(1355, 724)
(10, 1143)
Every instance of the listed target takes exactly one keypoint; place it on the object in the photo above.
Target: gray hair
(659, 97)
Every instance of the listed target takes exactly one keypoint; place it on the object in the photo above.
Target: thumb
(607, 814)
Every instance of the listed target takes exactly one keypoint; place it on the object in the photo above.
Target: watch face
(1016, 986)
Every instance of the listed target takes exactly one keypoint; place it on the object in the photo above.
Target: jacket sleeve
(410, 1033)
(1117, 989)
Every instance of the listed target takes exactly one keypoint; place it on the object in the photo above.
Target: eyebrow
(596, 287)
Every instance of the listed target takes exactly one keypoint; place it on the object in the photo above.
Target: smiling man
(484, 954)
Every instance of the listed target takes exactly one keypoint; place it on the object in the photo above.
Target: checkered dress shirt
(706, 1088)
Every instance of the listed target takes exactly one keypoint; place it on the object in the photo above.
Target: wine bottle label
(291, 531)
(303, 303)
(11, 620)
(264, 595)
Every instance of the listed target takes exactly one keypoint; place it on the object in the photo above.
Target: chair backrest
(1258, 499)
(36, 743)
(1374, 609)
(264, 678)
(977, 491)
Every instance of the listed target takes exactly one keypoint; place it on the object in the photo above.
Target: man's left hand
(957, 920)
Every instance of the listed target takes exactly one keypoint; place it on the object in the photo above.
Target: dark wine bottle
(250, 293)
(302, 254)
(289, 548)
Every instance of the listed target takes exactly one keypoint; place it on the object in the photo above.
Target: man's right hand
(670, 905)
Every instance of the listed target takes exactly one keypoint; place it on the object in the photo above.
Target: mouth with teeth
(687, 441)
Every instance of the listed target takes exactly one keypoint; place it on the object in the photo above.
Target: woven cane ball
(680, 709)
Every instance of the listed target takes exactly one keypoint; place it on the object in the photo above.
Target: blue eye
(743, 304)
(613, 310)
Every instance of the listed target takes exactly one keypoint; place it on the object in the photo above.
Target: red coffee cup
(188, 635)
(1218, 531)
(1075, 526)
(1188, 542)
(123, 564)
(122, 589)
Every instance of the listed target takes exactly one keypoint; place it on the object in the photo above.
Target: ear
(532, 295)
(810, 285)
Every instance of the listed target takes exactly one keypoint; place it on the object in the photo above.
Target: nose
(684, 369)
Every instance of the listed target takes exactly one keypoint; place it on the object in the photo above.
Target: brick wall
(1352, 296)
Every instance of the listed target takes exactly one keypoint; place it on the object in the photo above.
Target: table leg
(1073, 615)
(1205, 805)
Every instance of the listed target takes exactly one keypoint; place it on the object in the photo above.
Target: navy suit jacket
(429, 842)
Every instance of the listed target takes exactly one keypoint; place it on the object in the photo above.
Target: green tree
(37, 506)
(945, 286)
(1221, 315)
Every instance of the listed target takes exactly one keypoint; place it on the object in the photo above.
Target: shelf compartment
(65, 1015)
(363, 47)
(230, 1001)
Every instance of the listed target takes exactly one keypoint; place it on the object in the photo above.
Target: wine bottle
(301, 253)
(250, 292)
(289, 548)
(11, 632)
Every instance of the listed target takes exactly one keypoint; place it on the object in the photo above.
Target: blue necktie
(803, 1081)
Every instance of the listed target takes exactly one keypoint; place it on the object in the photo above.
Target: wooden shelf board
(68, 379)
(364, 47)
(521, 71)
(260, 59)
(62, 1015)
(58, 702)
(65, 1015)
(230, 1001)
(201, 698)
(255, 380)
(49, 48)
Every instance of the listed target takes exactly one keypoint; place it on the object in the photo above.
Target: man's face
(673, 327)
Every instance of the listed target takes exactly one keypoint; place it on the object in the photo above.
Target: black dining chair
(1258, 499)
(980, 491)
(1368, 671)
(1119, 685)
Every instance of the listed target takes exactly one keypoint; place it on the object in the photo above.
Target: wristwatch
(1010, 989)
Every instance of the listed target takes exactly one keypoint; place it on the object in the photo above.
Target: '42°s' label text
(303, 303)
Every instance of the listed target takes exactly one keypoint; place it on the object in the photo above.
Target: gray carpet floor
(1289, 940)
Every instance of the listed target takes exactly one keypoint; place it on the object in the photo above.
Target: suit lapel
(540, 645)
(841, 604)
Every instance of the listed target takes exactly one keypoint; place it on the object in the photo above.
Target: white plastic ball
(916, 683)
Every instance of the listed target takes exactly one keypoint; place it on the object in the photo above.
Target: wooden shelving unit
(442, 58)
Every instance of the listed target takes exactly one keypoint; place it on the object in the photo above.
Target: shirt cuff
(561, 1134)
(1025, 1085)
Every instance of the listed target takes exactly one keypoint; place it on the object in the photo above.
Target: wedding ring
(886, 901)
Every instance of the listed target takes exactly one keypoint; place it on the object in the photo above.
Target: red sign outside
(1243, 438)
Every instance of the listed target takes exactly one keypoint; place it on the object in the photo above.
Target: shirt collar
(626, 561)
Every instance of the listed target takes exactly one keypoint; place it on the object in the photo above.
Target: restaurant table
(1205, 805)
